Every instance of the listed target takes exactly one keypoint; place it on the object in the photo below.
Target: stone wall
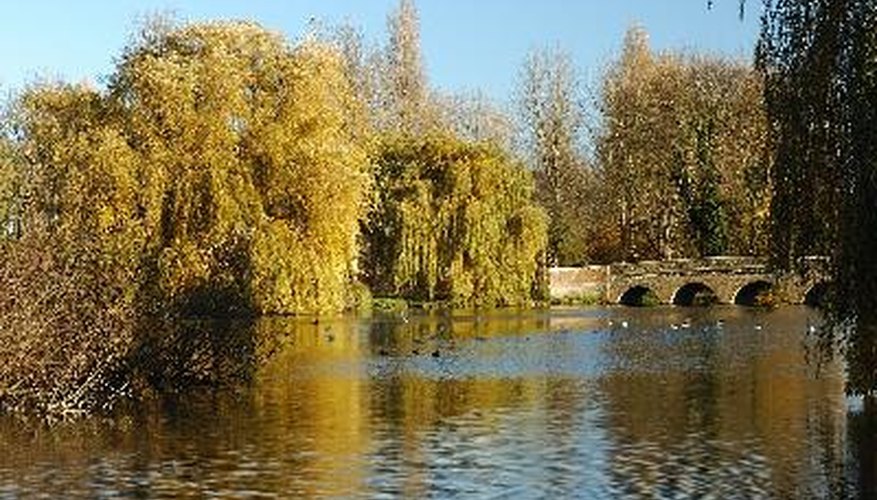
(578, 282)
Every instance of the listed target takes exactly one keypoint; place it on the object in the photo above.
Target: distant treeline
(232, 171)
(225, 171)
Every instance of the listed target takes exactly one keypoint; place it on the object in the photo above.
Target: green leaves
(455, 222)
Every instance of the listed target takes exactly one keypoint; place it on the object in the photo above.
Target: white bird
(624, 324)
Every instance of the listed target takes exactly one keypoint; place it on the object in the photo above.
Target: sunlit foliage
(229, 172)
(221, 162)
(79, 174)
(68, 322)
(454, 222)
(683, 148)
(250, 137)
(9, 184)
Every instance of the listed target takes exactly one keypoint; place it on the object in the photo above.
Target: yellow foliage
(248, 134)
(454, 221)
(81, 175)
(232, 171)
(684, 151)
(219, 160)
(9, 181)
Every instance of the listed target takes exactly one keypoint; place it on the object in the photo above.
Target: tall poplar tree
(406, 89)
(551, 122)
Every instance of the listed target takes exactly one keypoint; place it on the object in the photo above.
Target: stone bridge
(723, 280)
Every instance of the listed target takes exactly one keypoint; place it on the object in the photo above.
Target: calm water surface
(586, 403)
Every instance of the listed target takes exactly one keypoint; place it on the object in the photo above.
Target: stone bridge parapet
(728, 280)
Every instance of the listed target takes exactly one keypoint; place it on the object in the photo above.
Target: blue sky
(467, 45)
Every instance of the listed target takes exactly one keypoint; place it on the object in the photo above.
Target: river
(590, 403)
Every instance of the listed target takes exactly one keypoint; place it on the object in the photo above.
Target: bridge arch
(637, 296)
(694, 294)
(754, 293)
(816, 294)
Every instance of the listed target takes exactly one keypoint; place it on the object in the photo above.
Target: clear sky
(467, 44)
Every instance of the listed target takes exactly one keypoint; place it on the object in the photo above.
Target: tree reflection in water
(596, 403)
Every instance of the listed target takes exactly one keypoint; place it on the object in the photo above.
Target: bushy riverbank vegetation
(68, 325)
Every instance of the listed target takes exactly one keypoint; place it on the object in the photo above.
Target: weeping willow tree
(453, 222)
(221, 172)
(221, 165)
(820, 61)
(254, 182)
